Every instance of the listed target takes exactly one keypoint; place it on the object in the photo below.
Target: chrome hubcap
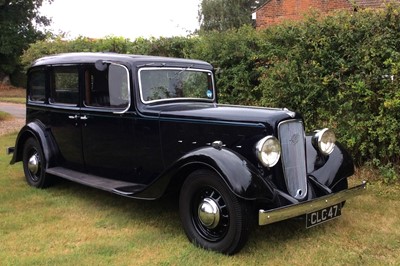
(33, 164)
(209, 213)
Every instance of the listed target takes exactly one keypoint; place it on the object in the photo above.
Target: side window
(65, 85)
(108, 88)
(37, 86)
(118, 86)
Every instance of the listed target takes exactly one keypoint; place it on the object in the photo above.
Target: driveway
(16, 110)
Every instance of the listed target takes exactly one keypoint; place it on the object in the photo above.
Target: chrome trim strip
(291, 211)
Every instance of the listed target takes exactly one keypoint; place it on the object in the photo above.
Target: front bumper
(291, 211)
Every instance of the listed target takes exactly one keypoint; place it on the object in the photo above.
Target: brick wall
(275, 11)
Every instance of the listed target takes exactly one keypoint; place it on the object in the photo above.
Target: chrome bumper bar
(291, 211)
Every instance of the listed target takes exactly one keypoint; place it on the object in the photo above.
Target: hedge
(340, 71)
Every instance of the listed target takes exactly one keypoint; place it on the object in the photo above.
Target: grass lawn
(69, 224)
(4, 116)
(12, 100)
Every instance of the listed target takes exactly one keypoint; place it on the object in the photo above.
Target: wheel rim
(34, 165)
(210, 214)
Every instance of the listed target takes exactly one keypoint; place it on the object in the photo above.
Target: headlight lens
(324, 140)
(268, 151)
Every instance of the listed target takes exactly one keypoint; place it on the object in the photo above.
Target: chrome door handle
(73, 117)
(84, 117)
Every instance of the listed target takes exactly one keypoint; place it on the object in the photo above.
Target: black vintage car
(141, 126)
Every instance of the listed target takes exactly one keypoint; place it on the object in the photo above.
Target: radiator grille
(292, 138)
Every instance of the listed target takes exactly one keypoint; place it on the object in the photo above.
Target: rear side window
(37, 86)
(65, 85)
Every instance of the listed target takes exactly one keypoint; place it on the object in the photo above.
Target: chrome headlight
(268, 151)
(324, 140)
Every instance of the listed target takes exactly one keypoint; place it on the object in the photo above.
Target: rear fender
(38, 131)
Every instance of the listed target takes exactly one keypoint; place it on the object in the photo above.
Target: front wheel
(34, 164)
(212, 216)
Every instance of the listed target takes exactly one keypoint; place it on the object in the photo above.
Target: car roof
(133, 60)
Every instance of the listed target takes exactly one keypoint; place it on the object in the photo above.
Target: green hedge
(340, 71)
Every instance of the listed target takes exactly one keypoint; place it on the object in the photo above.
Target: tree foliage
(222, 15)
(19, 22)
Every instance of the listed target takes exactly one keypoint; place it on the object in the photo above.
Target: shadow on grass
(164, 209)
(164, 214)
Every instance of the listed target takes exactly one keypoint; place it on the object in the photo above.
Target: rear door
(64, 117)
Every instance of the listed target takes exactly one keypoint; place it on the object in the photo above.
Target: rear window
(37, 86)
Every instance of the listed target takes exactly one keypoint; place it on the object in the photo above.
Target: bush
(236, 55)
(341, 72)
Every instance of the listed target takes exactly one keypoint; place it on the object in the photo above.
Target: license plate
(323, 215)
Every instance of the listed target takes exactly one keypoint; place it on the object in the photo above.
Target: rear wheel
(212, 216)
(34, 164)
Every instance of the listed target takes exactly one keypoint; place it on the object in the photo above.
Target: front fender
(329, 170)
(242, 178)
(38, 131)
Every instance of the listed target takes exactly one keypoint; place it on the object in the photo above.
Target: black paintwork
(156, 146)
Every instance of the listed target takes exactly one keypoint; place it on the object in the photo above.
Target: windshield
(158, 84)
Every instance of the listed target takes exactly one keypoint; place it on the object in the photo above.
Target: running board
(123, 188)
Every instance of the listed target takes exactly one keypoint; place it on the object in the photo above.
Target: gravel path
(16, 122)
(16, 110)
(11, 125)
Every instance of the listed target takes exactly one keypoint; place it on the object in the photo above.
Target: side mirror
(100, 65)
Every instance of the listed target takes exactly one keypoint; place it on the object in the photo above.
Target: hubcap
(33, 164)
(209, 213)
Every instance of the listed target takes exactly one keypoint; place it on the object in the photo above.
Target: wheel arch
(333, 170)
(37, 131)
(241, 177)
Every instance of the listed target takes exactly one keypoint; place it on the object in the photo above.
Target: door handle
(73, 117)
(84, 117)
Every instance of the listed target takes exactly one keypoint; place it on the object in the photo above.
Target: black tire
(34, 164)
(227, 235)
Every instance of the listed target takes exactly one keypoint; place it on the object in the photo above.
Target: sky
(122, 18)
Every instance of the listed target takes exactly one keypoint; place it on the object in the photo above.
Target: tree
(222, 15)
(19, 26)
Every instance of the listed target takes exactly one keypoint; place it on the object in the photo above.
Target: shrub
(341, 71)
(235, 54)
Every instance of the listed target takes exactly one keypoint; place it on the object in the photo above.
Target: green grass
(69, 224)
(4, 116)
(12, 100)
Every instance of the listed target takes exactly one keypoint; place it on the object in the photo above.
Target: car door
(64, 115)
(107, 124)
